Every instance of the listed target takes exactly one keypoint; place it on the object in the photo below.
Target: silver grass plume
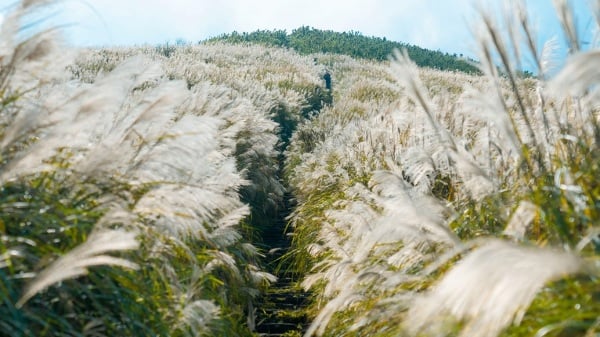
(490, 288)
(197, 316)
(579, 75)
(406, 206)
(548, 57)
(347, 270)
(81, 120)
(77, 261)
(521, 220)
(444, 144)
(567, 19)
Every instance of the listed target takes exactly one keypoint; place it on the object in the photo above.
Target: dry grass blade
(76, 262)
(567, 21)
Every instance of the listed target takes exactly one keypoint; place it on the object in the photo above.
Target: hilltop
(308, 40)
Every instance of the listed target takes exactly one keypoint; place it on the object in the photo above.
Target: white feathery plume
(567, 20)
(8, 32)
(419, 168)
(77, 261)
(521, 220)
(174, 156)
(492, 109)
(409, 210)
(346, 298)
(369, 235)
(197, 317)
(223, 259)
(30, 56)
(225, 233)
(548, 58)
(490, 288)
(134, 135)
(579, 75)
(76, 121)
(407, 74)
(259, 277)
(475, 180)
(410, 255)
(185, 211)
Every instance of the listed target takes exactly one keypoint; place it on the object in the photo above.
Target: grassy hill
(152, 191)
(307, 40)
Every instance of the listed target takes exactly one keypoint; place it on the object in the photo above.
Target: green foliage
(40, 221)
(277, 38)
(307, 40)
(564, 308)
(44, 216)
(481, 218)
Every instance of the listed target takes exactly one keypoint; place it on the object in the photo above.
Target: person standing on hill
(327, 78)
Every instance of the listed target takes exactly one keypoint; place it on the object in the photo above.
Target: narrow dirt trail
(280, 311)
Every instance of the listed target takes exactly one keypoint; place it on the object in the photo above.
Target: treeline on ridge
(307, 40)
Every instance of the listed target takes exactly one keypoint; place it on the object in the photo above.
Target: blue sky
(434, 24)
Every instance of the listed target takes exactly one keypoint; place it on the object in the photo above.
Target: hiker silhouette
(327, 78)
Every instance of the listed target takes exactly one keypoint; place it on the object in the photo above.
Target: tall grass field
(138, 185)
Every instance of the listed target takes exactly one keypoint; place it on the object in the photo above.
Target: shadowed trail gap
(281, 309)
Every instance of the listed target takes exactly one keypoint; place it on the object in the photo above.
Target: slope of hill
(307, 40)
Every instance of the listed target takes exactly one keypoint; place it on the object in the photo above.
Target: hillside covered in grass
(221, 189)
(307, 40)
